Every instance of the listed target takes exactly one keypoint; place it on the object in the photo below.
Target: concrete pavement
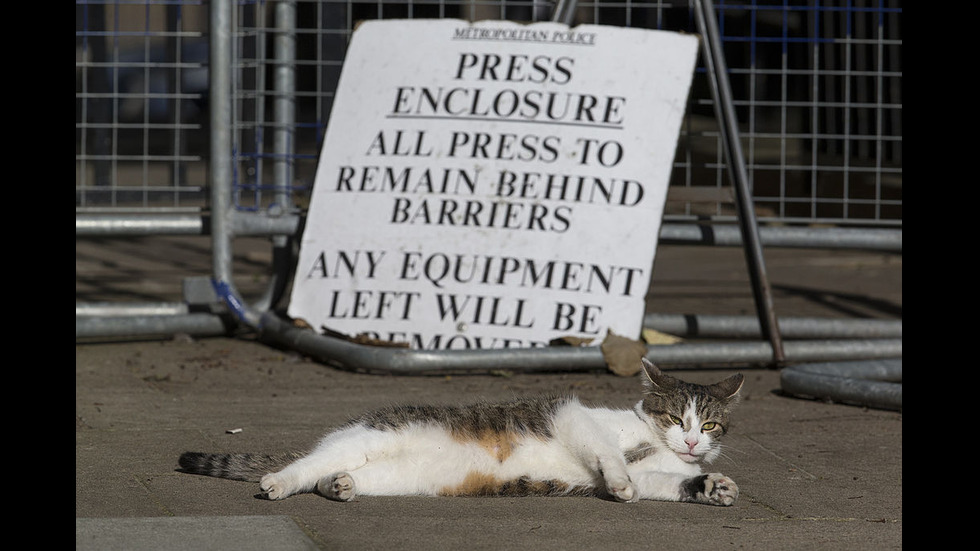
(812, 475)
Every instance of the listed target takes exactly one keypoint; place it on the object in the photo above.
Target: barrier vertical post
(725, 115)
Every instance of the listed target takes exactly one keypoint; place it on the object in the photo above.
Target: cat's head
(691, 417)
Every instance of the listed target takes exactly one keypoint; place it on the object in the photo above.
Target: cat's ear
(653, 378)
(729, 387)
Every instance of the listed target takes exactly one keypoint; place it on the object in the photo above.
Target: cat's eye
(675, 420)
(710, 425)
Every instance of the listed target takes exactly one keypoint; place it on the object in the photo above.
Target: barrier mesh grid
(816, 85)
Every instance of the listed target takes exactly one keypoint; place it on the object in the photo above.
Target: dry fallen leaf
(570, 341)
(301, 323)
(364, 338)
(652, 336)
(622, 354)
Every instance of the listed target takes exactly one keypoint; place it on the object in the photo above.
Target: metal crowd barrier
(223, 215)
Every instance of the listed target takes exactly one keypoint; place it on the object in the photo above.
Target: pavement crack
(796, 468)
(163, 508)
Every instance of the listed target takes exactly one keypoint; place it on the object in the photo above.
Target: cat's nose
(691, 442)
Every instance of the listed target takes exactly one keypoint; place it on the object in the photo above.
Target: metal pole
(708, 326)
(871, 383)
(221, 104)
(404, 361)
(725, 114)
(284, 144)
(288, 223)
(285, 99)
(564, 12)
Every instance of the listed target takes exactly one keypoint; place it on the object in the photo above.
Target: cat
(550, 445)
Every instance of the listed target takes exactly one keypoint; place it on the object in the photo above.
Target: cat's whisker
(723, 453)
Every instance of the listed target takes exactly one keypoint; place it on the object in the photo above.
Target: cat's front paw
(723, 490)
(274, 487)
(622, 490)
(711, 488)
(339, 487)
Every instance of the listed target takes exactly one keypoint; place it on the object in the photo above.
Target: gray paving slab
(246, 533)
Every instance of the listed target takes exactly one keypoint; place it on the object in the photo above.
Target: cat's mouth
(689, 457)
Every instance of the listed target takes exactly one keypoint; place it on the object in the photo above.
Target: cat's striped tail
(249, 467)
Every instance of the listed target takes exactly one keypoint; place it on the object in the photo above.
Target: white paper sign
(492, 184)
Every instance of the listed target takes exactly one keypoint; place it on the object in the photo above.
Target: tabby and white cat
(543, 446)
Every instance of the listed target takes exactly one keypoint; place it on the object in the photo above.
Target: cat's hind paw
(275, 487)
(339, 487)
(711, 488)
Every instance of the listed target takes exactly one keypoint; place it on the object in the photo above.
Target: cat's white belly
(540, 460)
(429, 461)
